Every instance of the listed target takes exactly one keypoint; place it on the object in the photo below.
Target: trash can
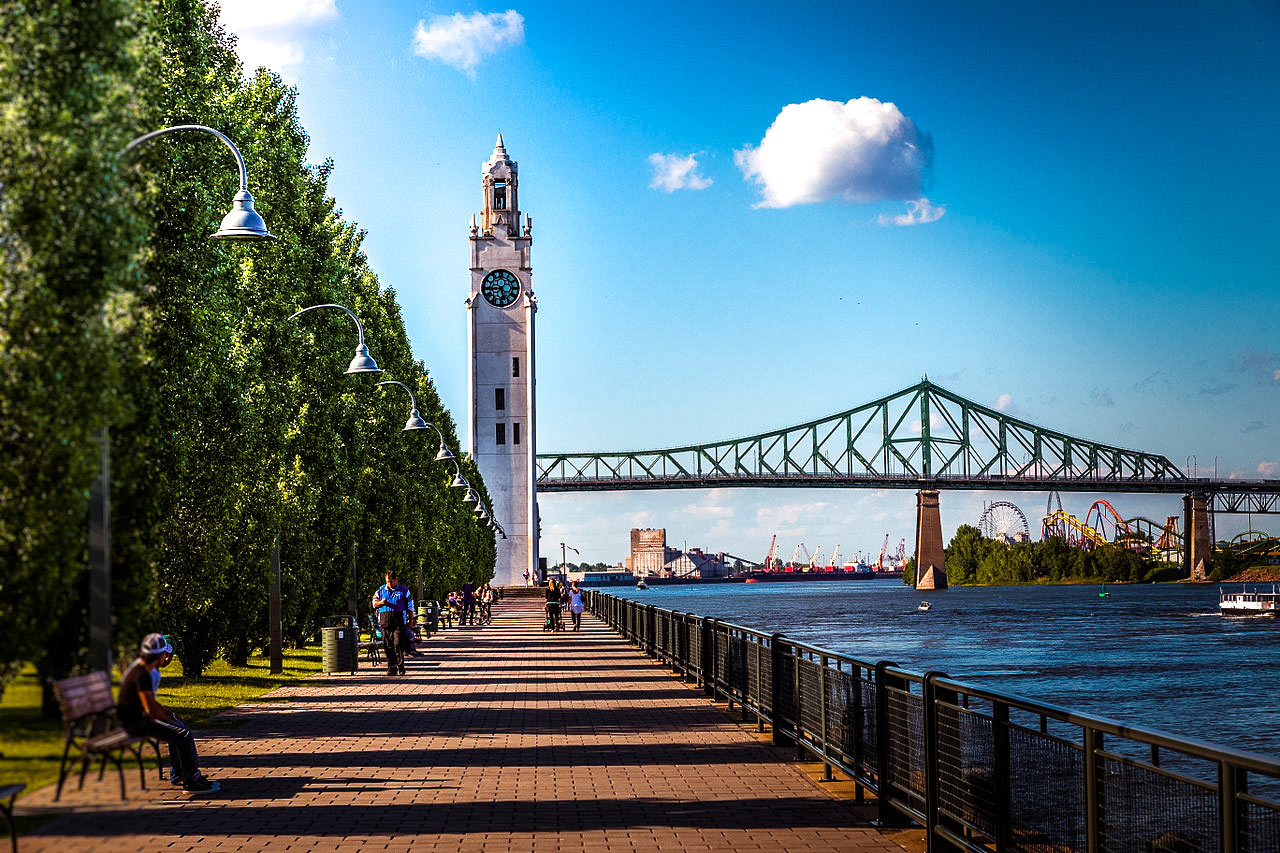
(431, 617)
(338, 645)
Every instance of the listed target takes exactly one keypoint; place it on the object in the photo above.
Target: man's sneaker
(402, 670)
(174, 779)
(200, 785)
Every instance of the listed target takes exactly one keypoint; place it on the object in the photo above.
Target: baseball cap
(154, 644)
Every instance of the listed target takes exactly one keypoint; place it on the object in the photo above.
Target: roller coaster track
(1072, 529)
(921, 437)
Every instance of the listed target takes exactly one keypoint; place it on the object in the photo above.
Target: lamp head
(459, 482)
(362, 362)
(471, 497)
(415, 421)
(444, 454)
(243, 222)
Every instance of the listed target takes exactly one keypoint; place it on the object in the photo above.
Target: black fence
(978, 769)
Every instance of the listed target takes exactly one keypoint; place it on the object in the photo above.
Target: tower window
(515, 367)
(499, 399)
(500, 434)
(499, 195)
(515, 433)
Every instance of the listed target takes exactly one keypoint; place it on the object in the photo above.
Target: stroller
(553, 621)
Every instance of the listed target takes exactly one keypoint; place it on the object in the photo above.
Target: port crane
(773, 548)
(817, 555)
(835, 557)
(795, 555)
(883, 548)
(902, 554)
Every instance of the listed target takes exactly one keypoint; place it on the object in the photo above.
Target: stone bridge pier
(1197, 544)
(931, 572)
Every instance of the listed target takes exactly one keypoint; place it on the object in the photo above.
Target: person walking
(553, 606)
(142, 715)
(392, 600)
(468, 604)
(575, 605)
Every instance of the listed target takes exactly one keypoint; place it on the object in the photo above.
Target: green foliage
(975, 560)
(230, 424)
(66, 246)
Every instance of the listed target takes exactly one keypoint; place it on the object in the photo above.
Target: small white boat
(924, 606)
(640, 584)
(1245, 603)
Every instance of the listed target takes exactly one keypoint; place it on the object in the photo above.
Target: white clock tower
(500, 313)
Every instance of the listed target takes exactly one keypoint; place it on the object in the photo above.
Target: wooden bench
(7, 795)
(89, 715)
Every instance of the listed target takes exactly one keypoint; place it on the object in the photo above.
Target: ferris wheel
(1003, 520)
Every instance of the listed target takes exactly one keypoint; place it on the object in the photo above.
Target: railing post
(822, 694)
(795, 696)
(1231, 783)
(759, 689)
(933, 818)
(859, 746)
(1003, 793)
(1092, 742)
(708, 656)
(651, 629)
(886, 814)
(775, 689)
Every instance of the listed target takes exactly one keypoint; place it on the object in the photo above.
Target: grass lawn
(31, 746)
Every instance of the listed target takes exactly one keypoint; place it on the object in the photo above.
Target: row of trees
(229, 425)
(973, 559)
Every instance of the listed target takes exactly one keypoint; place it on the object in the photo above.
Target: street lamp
(361, 362)
(242, 223)
(415, 421)
(563, 561)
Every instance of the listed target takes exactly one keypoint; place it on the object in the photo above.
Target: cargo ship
(849, 572)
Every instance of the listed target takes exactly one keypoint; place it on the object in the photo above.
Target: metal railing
(980, 770)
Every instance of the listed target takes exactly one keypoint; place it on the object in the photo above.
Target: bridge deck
(503, 737)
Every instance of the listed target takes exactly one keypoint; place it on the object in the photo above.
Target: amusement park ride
(1103, 525)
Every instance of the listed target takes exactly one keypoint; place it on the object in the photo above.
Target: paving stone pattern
(503, 737)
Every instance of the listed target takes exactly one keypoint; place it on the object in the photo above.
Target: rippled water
(1158, 656)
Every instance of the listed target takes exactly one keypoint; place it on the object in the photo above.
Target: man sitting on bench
(142, 714)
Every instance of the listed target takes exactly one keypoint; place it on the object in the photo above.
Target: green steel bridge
(923, 437)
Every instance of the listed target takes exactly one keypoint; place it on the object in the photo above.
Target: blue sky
(716, 192)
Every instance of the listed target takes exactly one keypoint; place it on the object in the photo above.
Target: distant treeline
(974, 560)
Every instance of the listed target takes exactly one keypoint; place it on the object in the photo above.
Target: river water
(1154, 655)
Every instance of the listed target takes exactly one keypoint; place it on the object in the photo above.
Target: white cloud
(919, 212)
(464, 40)
(1004, 402)
(856, 152)
(272, 33)
(1266, 469)
(672, 172)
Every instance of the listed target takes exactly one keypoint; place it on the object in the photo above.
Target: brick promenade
(502, 738)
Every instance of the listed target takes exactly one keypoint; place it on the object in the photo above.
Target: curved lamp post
(459, 481)
(243, 222)
(415, 421)
(361, 362)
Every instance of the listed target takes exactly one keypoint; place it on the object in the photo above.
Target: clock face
(501, 288)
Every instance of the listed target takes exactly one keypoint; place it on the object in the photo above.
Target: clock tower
(500, 314)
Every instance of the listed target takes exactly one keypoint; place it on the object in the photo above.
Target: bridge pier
(930, 555)
(1197, 544)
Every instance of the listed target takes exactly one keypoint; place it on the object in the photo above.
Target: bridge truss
(921, 437)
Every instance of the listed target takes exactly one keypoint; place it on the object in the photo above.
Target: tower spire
(499, 148)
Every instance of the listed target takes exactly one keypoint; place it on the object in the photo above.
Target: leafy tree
(231, 425)
(66, 242)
